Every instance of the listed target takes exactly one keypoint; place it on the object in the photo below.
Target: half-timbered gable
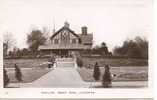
(64, 41)
(65, 36)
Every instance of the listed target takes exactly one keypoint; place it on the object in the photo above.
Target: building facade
(65, 42)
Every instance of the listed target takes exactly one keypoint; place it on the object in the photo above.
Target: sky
(78, 99)
(111, 21)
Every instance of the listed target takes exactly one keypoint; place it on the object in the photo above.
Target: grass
(125, 69)
(121, 73)
(30, 68)
(24, 63)
(114, 62)
(28, 74)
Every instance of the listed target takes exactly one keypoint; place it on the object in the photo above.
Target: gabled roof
(64, 28)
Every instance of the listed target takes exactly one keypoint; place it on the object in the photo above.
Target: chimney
(84, 30)
(66, 24)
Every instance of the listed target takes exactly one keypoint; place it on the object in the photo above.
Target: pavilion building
(65, 41)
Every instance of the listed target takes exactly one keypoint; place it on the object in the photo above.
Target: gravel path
(60, 78)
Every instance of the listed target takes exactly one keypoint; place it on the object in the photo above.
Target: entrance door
(64, 53)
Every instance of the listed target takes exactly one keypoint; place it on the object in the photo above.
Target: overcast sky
(77, 99)
(111, 21)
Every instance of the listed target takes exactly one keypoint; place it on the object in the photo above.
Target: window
(73, 41)
(56, 41)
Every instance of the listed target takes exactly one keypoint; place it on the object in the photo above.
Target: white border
(99, 93)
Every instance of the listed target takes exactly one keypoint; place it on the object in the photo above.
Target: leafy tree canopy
(34, 39)
(137, 47)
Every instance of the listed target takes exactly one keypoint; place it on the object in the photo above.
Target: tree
(34, 39)
(18, 74)
(5, 78)
(8, 42)
(11, 54)
(106, 81)
(5, 49)
(104, 49)
(143, 46)
(101, 49)
(25, 52)
(96, 73)
(15, 52)
(96, 49)
(133, 50)
(137, 47)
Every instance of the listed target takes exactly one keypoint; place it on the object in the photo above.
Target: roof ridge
(73, 32)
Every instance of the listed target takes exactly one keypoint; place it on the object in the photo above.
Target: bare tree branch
(9, 40)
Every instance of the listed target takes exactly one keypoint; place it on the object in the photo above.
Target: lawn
(28, 74)
(130, 69)
(24, 63)
(31, 69)
(116, 62)
(124, 69)
(121, 73)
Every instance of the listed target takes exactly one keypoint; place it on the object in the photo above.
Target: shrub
(106, 81)
(5, 78)
(18, 74)
(96, 73)
(79, 62)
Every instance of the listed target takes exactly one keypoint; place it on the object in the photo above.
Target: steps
(64, 59)
(65, 64)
